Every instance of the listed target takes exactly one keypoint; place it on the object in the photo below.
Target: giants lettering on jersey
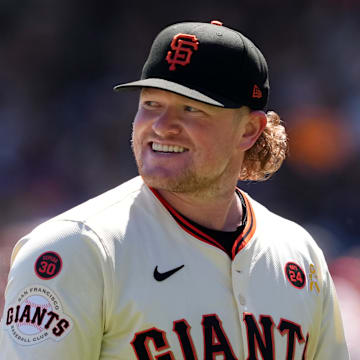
(260, 339)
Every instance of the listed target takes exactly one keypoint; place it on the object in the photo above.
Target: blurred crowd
(64, 134)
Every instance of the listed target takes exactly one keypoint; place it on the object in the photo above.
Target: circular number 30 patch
(295, 275)
(48, 265)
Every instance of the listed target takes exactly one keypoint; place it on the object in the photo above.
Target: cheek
(136, 140)
(220, 152)
(218, 144)
(137, 123)
(141, 120)
(138, 128)
(209, 154)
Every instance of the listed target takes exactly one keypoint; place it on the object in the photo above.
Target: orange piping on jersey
(305, 347)
(248, 231)
(213, 242)
(189, 228)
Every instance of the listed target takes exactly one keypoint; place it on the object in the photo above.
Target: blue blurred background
(64, 134)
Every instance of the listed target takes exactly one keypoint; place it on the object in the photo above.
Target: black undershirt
(225, 238)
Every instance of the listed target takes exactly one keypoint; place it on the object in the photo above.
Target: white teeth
(167, 148)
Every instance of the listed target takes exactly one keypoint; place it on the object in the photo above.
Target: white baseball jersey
(120, 277)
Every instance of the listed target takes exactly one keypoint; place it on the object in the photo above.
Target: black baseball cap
(207, 62)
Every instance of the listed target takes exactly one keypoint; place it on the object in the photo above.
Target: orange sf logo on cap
(182, 47)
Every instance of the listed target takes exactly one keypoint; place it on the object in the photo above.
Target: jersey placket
(240, 284)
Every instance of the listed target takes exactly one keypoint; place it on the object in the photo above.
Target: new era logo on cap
(207, 62)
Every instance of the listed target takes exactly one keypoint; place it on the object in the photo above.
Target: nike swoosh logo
(163, 276)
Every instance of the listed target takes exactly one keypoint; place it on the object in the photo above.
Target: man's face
(186, 146)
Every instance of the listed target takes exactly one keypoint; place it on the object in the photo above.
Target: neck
(219, 212)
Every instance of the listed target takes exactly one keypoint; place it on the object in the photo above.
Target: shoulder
(61, 264)
(107, 216)
(96, 226)
(71, 233)
(121, 197)
(76, 250)
(283, 247)
(281, 230)
(284, 241)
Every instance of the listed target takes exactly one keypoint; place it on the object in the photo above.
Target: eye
(191, 109)
(149, 104)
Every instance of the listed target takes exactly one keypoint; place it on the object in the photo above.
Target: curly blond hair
(265, 157)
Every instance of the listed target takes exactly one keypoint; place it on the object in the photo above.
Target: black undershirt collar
(225, 238)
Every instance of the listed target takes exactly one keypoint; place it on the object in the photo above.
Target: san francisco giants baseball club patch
(36, 316)
(295, 275)
(48, 265)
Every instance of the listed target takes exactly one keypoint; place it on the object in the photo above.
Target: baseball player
(179, 263)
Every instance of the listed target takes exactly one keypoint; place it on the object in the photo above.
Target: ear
(254, 125)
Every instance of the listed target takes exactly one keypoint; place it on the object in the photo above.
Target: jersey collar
(241, 241)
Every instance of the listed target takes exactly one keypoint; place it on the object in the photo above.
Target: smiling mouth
(167, 148)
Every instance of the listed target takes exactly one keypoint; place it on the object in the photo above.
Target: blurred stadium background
(64, 135)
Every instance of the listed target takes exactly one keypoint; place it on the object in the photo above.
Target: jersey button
(242, 300)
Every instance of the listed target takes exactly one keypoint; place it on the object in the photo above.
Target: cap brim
(170, 86)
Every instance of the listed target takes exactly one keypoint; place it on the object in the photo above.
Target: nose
(166, 123)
